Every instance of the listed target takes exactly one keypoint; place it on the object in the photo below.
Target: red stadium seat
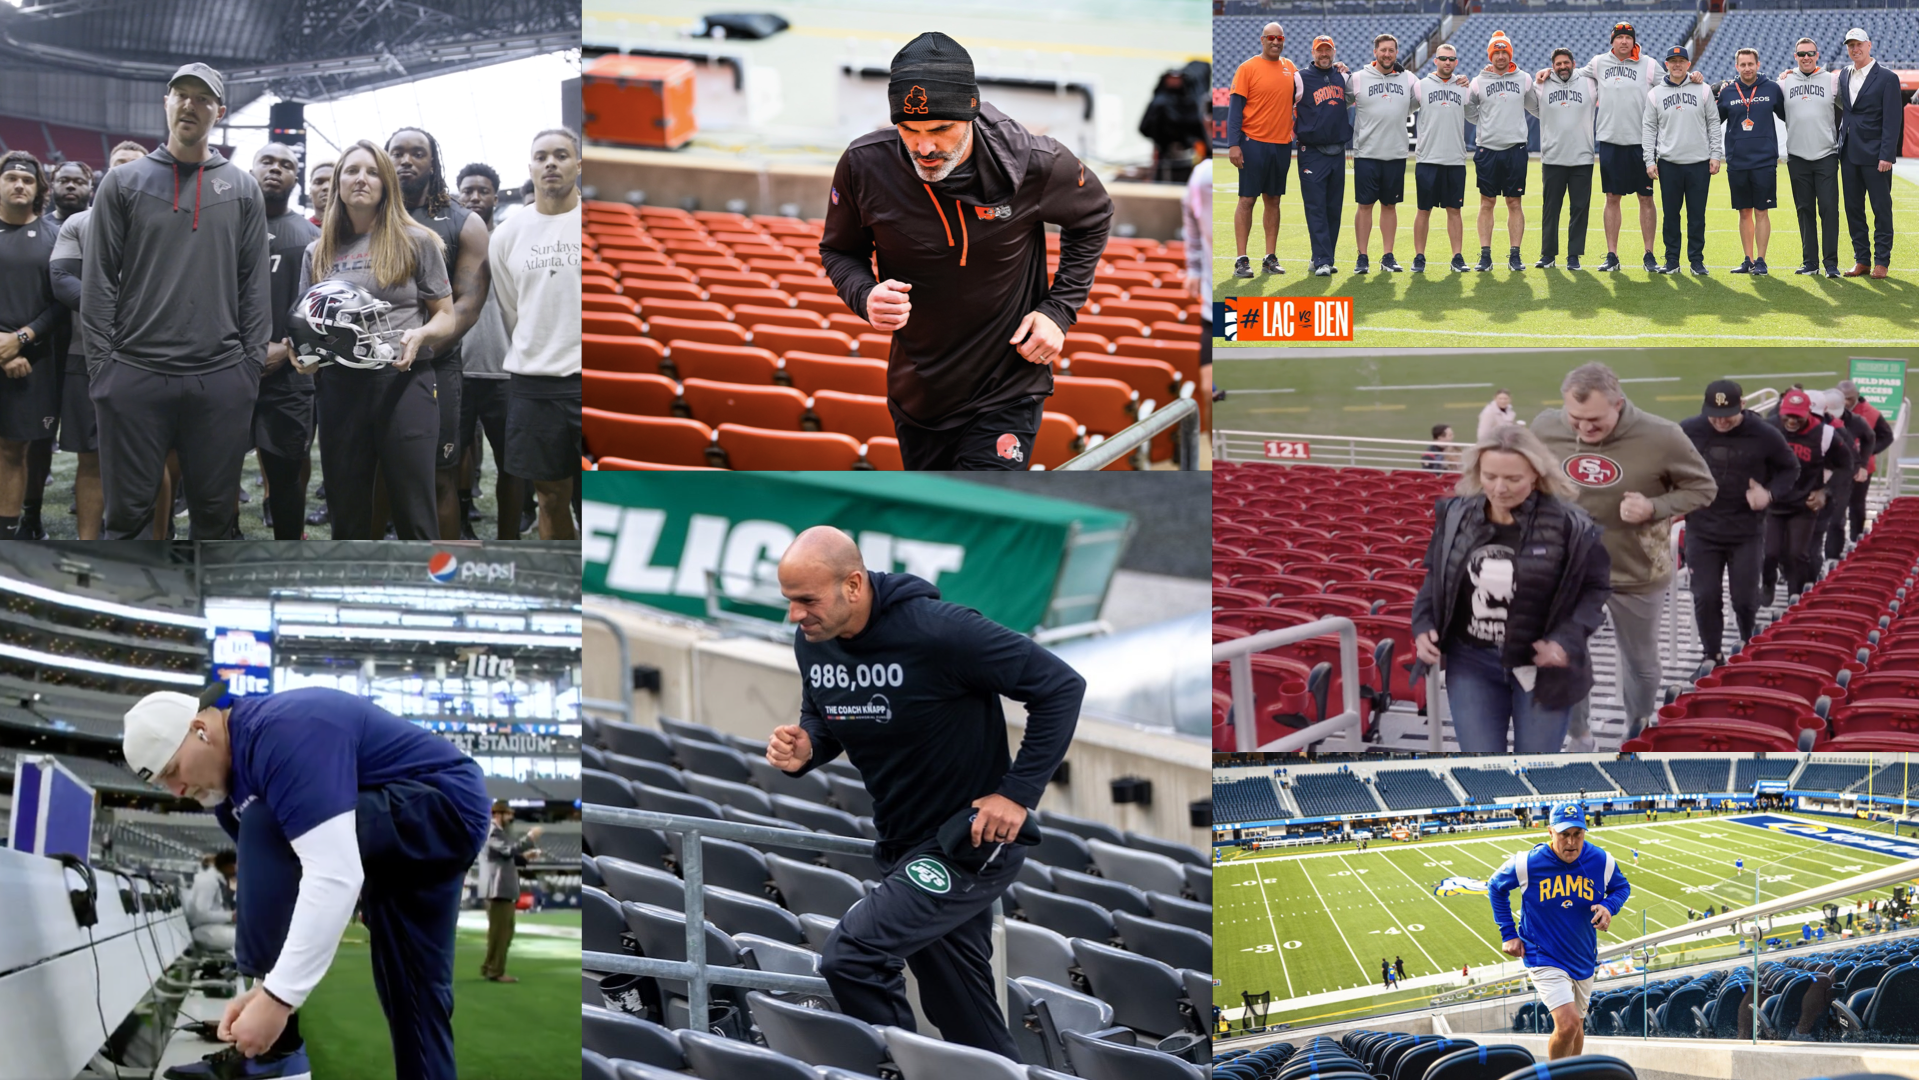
(634, 395)
(723, 363)
(1883, 686)
(1242, 567)
(603, 352)
(1060, 439)
(1374, 590)
(1717, 736)
(782, 339)
(1320, 605)
(875, 346)
(779, 408)
(863, 416)
(614, 464)
(758, 449)
(884, 454)
(813, 372)
(1103, 406)
(668, 440)
(669, 330)
(623, 305)
(1238, 598)
(1808, 684)
(1773, 708)
(753, 314)
(1830, 659)
(606, 322)
(1279, 695)
(1259, 620)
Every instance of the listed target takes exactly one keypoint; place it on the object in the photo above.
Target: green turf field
(1303, 924)
(529, 1030)
(1402, 394)
(1584, 307)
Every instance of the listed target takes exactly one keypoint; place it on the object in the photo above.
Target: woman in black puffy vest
(1516, 582)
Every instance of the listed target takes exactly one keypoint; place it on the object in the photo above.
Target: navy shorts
(1443, 186)
(1266, 168)
(1379, 181)
(1501, 172)
(1754, 189)
(1622, 170)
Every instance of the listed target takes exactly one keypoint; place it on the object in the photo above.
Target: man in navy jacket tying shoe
(909, 687)
(1571, 890)
(332, 800)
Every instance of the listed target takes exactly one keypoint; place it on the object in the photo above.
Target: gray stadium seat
(814, 890)
(812, 787)
(1096, 1059)
(686, 729)
(712, 759)
(1181, 853)
(590, 871)
(766, 954)
(727, 793)
(592, 757)
(750, 747)
(1175, 946)
(600, 921)
(662, 936)
(1037, 874)
(851, 795)
(634, 1070)
(1111, 895)
(629, 1038)
(1061, 849)
(1085, 828)
(1199, 882)
(714, 1058)
(726, 864)
(817, 928)
(1067, 915)
(1181, 912)
(650, 773)
(817, 816)
(662, 801)
(1036, 952)
(816, 1036)
(596, 1067)
(644, 846)
(635, 741)
(739, 913)
(921, 1058)
(590, 990)
(606, 789)
(1141, 869)
(734, 813)
(1056, 1009)
(642, 884)
(1144, 993)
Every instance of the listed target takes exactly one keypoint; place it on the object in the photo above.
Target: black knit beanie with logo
(932, 79)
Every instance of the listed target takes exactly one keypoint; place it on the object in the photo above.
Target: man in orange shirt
(1259, 138)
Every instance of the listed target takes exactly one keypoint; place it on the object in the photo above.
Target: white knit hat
(156, 726)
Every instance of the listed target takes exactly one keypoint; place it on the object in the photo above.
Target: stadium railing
(1184, 412)
(699, 978)
(1238, 654)
(624, 706)
(1333, 450)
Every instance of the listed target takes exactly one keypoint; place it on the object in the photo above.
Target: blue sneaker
(229, 1064)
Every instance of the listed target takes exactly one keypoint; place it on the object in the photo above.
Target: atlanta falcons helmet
(339, 322)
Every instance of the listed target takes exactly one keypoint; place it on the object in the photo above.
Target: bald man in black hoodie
(909, 687)
(954, 200)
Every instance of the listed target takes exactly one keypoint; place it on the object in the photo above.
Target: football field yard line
(1363, 974)
(1279, 948)
(1387, 908)
(1494, 946)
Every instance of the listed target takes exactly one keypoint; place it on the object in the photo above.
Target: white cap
(156, 726)
(1856, 34)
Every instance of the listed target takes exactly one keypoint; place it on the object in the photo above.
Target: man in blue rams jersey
(1572, 890)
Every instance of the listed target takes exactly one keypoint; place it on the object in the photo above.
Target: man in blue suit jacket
(1871, 123)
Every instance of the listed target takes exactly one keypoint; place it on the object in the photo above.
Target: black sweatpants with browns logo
(938, 919)
(1000, 439)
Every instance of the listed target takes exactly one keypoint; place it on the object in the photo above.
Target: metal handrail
(693, 970)
(624, 706)
(1238, 653)
(1184, 412)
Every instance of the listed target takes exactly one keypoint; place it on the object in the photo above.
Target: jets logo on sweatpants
(930, 876)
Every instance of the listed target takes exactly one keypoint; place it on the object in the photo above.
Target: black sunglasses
(1806, 54)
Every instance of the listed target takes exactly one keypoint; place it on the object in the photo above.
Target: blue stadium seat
(1486, 785)
(1702, 775)
(1251, 799)
(1331, 794)
(1568, 779)
(1825, 776)
(1412, 789)
(1480, 1063)
(1748, 771)
(1582, 1067)
(1895, 37)
(1636, 777)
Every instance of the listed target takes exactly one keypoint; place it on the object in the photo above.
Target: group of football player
(165, 317)
(1641, 120)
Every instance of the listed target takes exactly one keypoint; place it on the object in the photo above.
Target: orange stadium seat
(824, 303)
(781, 408)
(1104, 406)
(723, 363)
(1183, 355)
(634, 395)
(756, 449)
(742, 279)
(614, 464)
(605, 352)
(605, 322)
(849, 324)
(749, 314)
(782, 265)
(732, 295)
(1163, 331)
(711, 331)
(1179, 298)
(814, 372)
(875, 346)
(1100, 290)
(863, 416)
(664, 290)
(713, 260)
(595, 284)
(782, 339)
(1154, 379)
(634, 271)
(701, 310)
(812, 283)
(1080, 341)
(670, 440)
(1147, 311)
(1126, 277)
(1110, 327)
(1059, 441)
(599, 302)
(884, 453)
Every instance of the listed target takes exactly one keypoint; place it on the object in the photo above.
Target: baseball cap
(1723, 398)
(206, 75)
(1795, 403)
(155, 727)
(1323, 39)
(1569, 815)
(1678, 52)
(1857, 34)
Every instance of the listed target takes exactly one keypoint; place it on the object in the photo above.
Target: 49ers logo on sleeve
(1593, 470)
(1008, 447)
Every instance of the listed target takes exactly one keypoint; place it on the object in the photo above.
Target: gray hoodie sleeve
(100, 272)
(256, 284)
(1649, 132)
(1716, 137)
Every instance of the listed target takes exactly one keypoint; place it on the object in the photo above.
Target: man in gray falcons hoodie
(1565, 104)
(1441, 172)
(174, 296)
(1812, 156)
(1498, 101)
(1680, 144)
(1384, 96)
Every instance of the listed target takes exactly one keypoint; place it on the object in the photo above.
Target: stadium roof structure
(298, 50)
(545, 575)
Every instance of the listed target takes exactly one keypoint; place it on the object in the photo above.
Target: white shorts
(1557, 988)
